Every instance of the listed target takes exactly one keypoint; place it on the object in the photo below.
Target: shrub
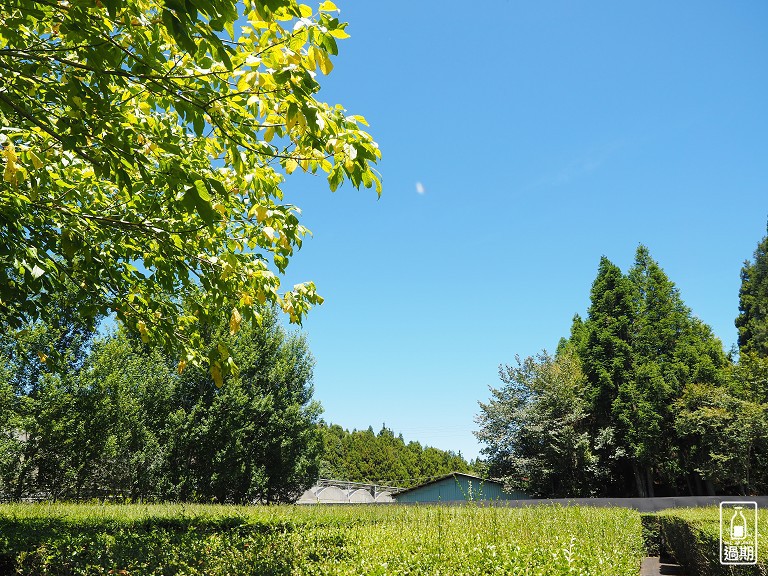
(692, 536)
(199, 540)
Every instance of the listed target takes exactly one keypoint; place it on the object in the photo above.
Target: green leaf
(190, 199)
(179, 32)
(218, 186)
(202, 191)
(198, 124)
(191, 10)
(68, 246)
(335, 178)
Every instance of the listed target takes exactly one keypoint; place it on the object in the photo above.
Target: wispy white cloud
(420, 188)
(582, 166)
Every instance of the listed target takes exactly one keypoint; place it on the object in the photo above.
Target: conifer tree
(643, 404)
(752, 320)
(645, 361)
(607, 350)
(642, 348)
(606, 353)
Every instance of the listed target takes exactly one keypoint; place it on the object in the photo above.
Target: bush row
(221, 540)
(692, 537)
(332, 541)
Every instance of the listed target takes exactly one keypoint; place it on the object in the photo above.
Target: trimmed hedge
(140, 540)
(651, 534)
(692, 537)
(176, 540)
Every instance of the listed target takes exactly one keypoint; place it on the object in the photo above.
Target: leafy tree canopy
(143, 145)
(535, 427)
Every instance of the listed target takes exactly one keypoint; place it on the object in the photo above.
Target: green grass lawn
(224, 540)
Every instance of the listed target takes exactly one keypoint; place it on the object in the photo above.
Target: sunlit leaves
(143, 153)
(234, 321)
(328, 6)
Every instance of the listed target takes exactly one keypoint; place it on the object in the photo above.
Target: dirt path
(653, 566)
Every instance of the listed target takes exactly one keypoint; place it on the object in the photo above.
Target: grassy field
(227, 540)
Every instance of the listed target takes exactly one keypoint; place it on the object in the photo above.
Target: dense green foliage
(541, 445)
(115, 418)
(752, 320)
(639, 400)
(383, 458)
(123, 423)
(392, 540)
(143, 144)
(652, 534)
(692, 537)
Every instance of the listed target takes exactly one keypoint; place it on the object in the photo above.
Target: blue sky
(521, 142)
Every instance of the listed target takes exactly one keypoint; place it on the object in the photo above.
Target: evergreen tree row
(86, 417)
(640, 399)
(112, 418)
(383, 458)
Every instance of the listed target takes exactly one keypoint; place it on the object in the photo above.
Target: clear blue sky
(522, 141)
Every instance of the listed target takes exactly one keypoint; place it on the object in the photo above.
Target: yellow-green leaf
(261, 213)
(234, 321)
(36, 162)
(9, 174)
(324, 61)
(143, 332)
(216, 375)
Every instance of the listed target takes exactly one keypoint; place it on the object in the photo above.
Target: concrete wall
(639, 504)
(643, 504)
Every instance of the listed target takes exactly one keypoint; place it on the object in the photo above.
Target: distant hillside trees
(383, 458)
(122, 422)
(639, 400)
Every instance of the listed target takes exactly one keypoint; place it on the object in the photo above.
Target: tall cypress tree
(640, 347)
(752, 320)
(643, 404)
(606, 353)
(606, 348)
(642, 353)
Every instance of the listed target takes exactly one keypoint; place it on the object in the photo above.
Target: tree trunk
(689, 485)
(639, 481)
(710, 487)
(699, 487)
(649, 481)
